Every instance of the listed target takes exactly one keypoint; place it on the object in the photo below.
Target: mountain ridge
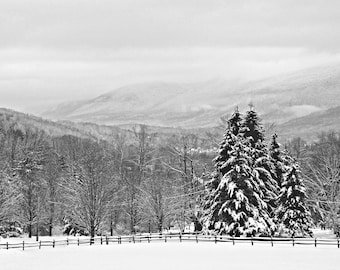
(192, 105)
(307, 127)
(310, 126)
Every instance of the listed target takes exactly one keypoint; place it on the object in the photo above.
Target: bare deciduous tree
(90, 188)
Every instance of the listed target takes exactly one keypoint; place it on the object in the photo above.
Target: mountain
(55, 129)
(159, 104)
(285, 97)
(308, 127)
(92, 131)
(278, 99)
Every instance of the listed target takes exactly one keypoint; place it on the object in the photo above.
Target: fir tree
(280, 161)
(209, 217)
(239, 197)
(277, 158)
(252, 128)
(253, 132)
(211, 206)
(292, 212)
(238, 190)
(243, 190)
(233, 129)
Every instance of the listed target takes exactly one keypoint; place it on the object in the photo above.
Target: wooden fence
(148, 238)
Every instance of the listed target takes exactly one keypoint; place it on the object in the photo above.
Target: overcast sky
(59, 50)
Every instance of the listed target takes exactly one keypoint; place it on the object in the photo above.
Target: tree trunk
(132, 225)
(160, 223)
(92, 233)
(29, 230)
(111, 224)
(149, 226)
(197, 225)
(111, 228)
(160, 226)
(50, 229)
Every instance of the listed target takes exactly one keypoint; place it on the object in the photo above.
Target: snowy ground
(174, 256)
(327, 234)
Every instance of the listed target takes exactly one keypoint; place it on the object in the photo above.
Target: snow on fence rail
(106, 240)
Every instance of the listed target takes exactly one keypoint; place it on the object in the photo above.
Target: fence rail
(148, 238)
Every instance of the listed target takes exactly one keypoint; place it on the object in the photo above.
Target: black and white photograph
(169, 134)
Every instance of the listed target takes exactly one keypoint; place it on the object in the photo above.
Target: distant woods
(131, 181)
(78, 179)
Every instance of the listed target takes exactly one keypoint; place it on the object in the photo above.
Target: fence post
(252, 243)
(233, 240)
(101, 240)
(271, 240)
(8, 247)
(165, 238)
(180, 238)
(215, 239)
(196, 238)
(293, 241)
(107, 240)
(133, 239)
(149, 236)
(338, 243)
(23, 245)
(67, 242)
(315, 242)
(53, 243)
(78, 242)
(40, 244)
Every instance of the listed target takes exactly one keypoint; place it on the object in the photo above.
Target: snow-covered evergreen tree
(211, 206)
(280, 161)
(253, 132)
(277, 157)
(210, 217)
(252, 128)
(229, 140)
(238, 190)
(239, 197)
(292, 212)
(243, 193)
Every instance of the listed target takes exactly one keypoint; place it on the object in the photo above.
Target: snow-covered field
(174, 256)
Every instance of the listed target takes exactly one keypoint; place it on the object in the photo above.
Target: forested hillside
(53, 129)
(89, 179)
(84, 178)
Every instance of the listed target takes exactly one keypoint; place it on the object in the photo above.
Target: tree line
(136, 181)
(142, 181)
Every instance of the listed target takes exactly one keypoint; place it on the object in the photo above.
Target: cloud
(82, 73)
(60, 49)
(159, 23)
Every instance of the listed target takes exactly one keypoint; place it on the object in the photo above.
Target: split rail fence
(148, 238)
